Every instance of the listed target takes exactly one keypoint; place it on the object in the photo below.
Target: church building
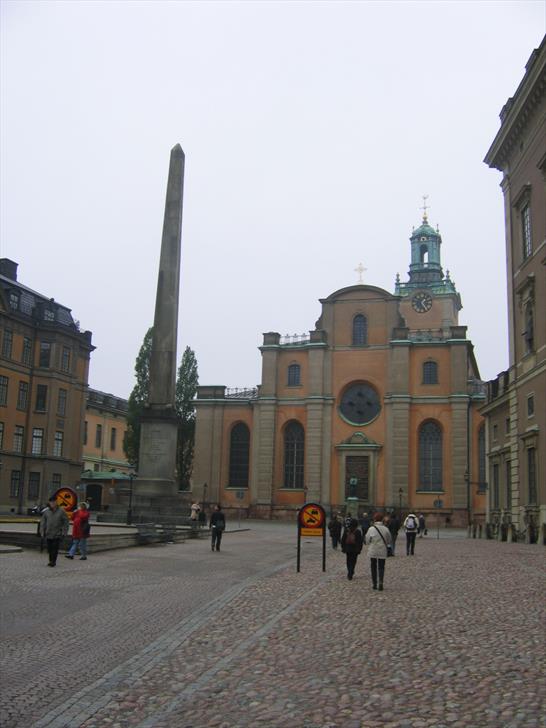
(376, 408)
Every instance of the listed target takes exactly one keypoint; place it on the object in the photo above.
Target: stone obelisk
(158, 435)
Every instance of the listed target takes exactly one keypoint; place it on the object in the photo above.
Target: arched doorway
(93, 495)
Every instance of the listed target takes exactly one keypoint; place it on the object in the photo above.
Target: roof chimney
(8, 268)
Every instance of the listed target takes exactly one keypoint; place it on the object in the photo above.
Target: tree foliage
(186, 389)
(138, 399)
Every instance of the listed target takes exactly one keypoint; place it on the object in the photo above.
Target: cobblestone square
(180, 636)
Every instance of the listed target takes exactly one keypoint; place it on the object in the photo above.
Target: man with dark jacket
(53, 527)
(351, 545)
(217, 526)
(394, 526)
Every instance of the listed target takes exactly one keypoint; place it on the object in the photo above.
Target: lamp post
(204, 495)
(400, 492)
(130, 509)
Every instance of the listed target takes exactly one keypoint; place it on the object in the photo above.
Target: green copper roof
(425, 230)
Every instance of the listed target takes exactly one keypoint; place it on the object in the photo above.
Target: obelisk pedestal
(159, 428)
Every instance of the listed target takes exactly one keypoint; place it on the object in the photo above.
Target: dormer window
(14, 300)
(49, 315)
(360, 330)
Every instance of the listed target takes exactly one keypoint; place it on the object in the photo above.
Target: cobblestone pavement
(179, 636)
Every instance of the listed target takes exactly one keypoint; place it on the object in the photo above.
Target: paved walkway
(179, 636)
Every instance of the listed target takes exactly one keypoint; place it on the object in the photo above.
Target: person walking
(334, 528)
(351, 545)
(218, 526)
(411, 524)
(194, 512)
(394, 526)
(378, 539)
(365, 522)
(422, 525)
(53, 527)
(80, 532)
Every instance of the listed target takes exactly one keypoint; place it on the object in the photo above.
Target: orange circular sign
(312, 516)
(67, 499)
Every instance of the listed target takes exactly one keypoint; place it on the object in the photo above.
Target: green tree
(186, 389)
(137, 399)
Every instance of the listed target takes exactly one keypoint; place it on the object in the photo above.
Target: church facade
(376, 408)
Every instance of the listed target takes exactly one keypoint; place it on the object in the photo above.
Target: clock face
(421, 302)
(360, 404)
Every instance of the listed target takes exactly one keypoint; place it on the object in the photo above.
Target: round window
(360, 404)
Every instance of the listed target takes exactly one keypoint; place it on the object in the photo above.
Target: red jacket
(81, 517)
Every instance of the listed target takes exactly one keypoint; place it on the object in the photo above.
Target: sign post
(438, 504)
(312, 522)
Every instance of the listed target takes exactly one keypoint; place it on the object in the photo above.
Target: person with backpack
(351, 545)
(394, 526)
(378, 539)
(217, 526)
(411, 524)
(80, 532)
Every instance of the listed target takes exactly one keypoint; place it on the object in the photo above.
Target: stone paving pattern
(179, 636)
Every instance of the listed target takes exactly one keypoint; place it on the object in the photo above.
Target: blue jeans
(81, 543)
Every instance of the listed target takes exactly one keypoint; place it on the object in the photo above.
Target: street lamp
(400, 492)
(132, 475)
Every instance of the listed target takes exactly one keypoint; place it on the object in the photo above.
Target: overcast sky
(311, 131)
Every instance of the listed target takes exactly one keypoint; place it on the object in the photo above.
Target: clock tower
(429, 299)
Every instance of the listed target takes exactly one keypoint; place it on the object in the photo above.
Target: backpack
(86, 528)
(350, 539)
(410, 523)
(220, 524)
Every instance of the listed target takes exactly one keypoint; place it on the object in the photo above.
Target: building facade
(516, 402)
(44, 368)
(376, 408)
(104, 432)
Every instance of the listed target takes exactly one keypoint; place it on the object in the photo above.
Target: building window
(294, 439)
(526, 231)
(65, 359)
(360, 330)
(41, 397)
(3, 390)
(14, 300)
(507, 425)
(34, 486)
(430, 372)
(22, 396)
(7, 344)
(430, 457)
(56, 481)
(495, 503)
(85, 429)
(482, 484)
(49, 315)
(18, 438)
(58, 444)
(239, 450)
(26, 357)
(1, 435)
(530, 406)
(96, 467)
(495, 433)
(532, 475)
(508, 485)
(98, 436)
(45, 353)
(113, 434)
(15, 484)
(37, 440)
(294, 375)
(61, 402)
(529, 332)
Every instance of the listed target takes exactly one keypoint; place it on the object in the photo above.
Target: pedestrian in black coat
(334, 528)
(393, 525)
(351, 545)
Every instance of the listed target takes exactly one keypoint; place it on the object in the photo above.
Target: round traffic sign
(312, 516)
(66, 498)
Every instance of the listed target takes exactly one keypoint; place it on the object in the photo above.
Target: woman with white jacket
(378, 538)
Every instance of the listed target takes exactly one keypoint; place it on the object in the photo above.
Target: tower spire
(424, 209)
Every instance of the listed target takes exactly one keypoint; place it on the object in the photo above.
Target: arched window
(294, 444)
(294, 375)
(360, 330)
(423, 251)
(481, 459)
(430, 372)
(239, 448)
(430, 457)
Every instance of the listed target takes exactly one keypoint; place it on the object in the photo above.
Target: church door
(357, 469)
